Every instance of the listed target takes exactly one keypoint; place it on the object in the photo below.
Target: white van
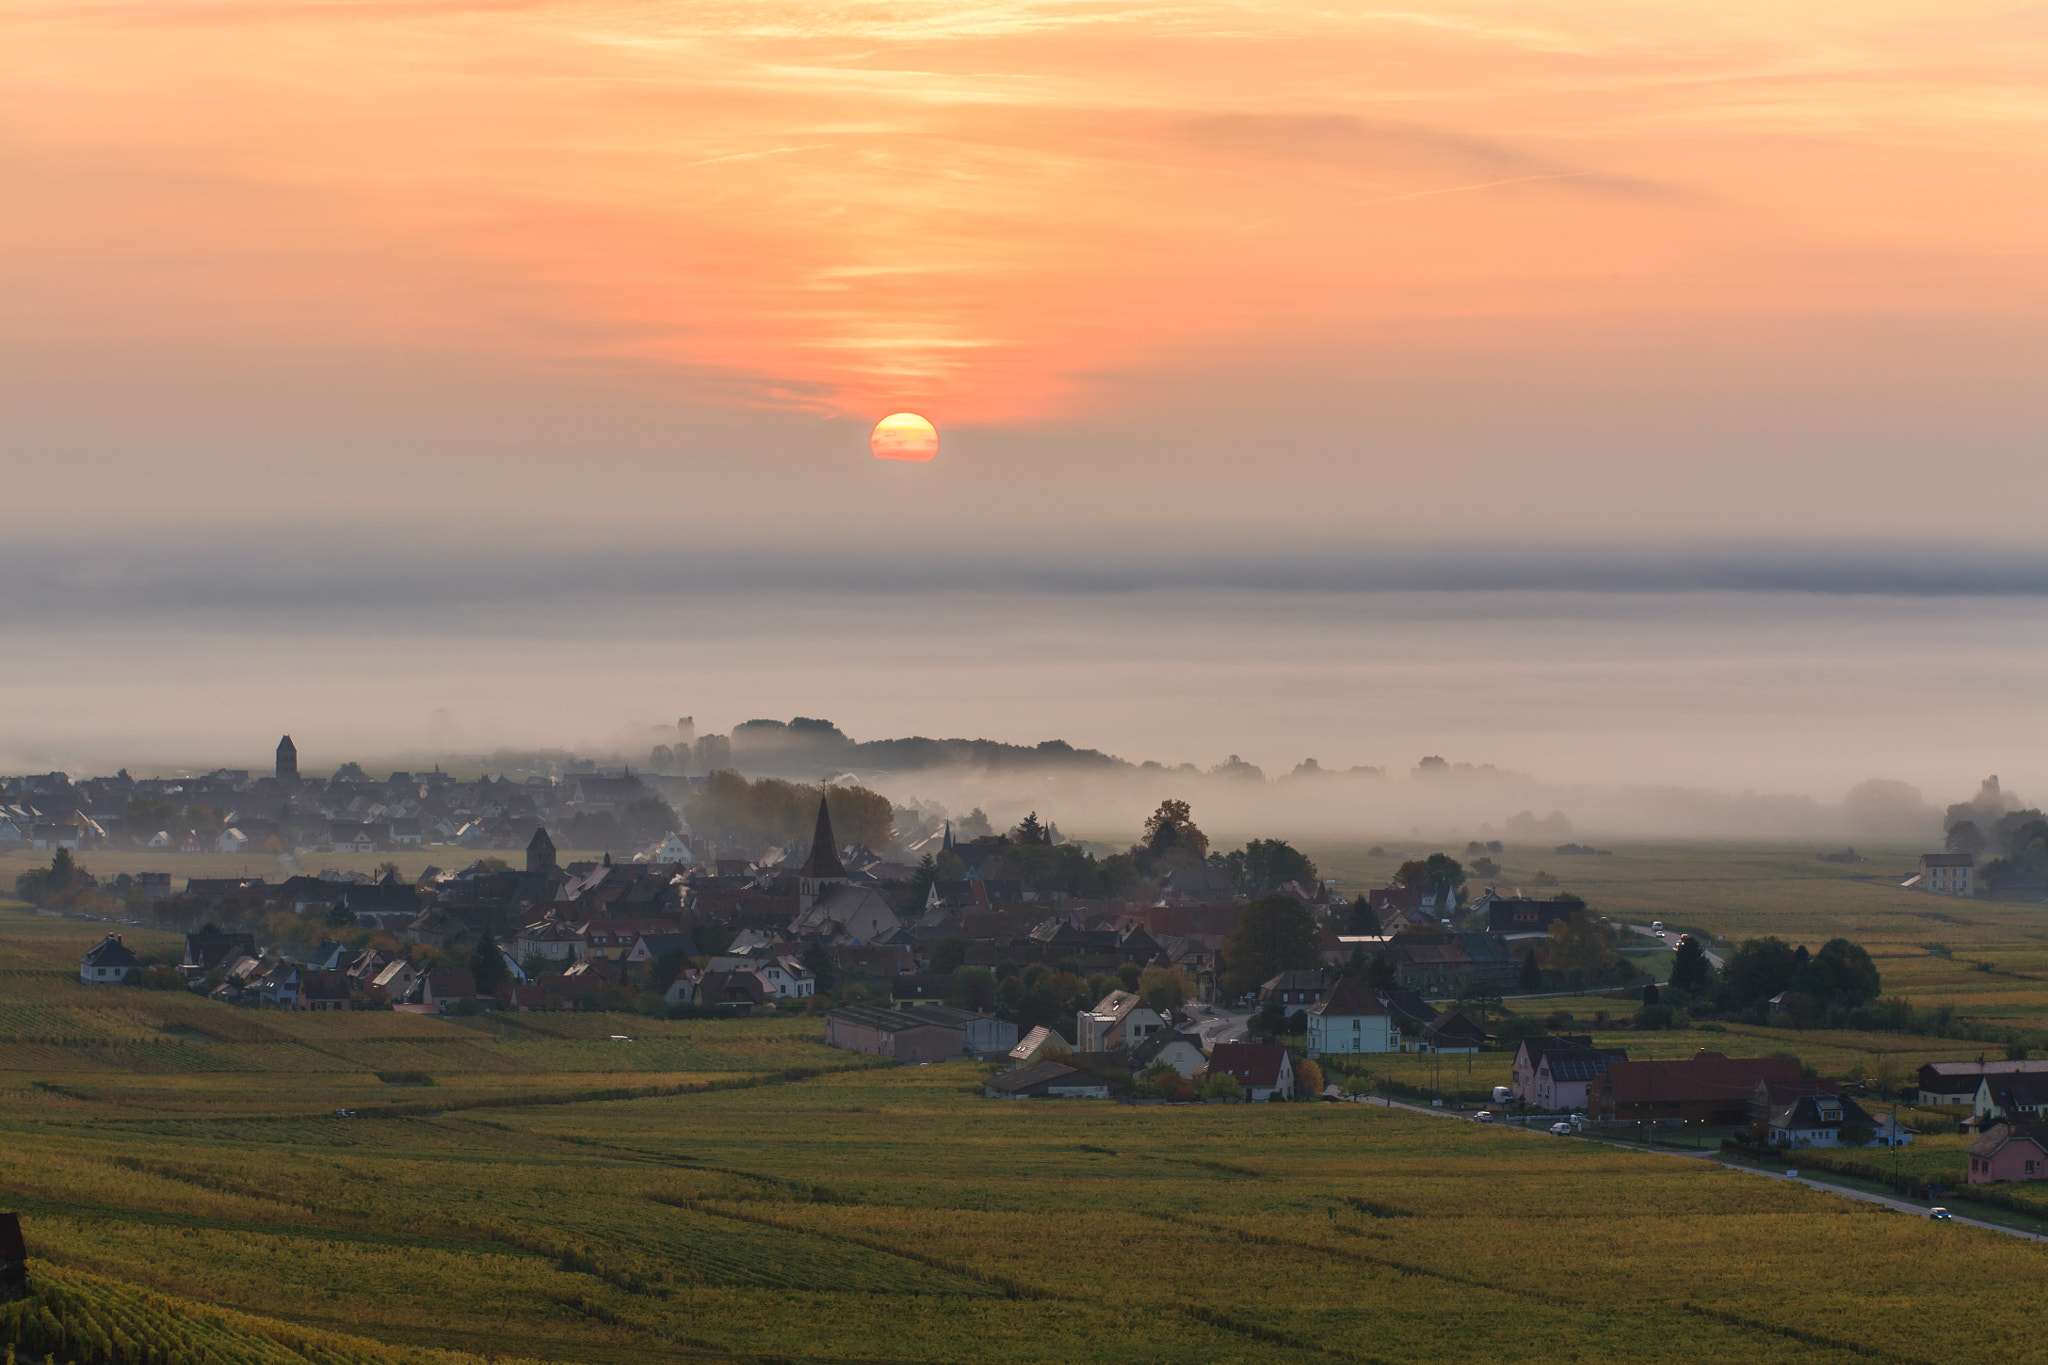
(1501, 1094)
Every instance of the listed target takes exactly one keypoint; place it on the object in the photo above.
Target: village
(1209, 989)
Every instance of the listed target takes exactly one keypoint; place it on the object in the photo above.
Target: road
(1669, 938)
(1906, 1206)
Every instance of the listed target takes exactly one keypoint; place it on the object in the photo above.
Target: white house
(1177, 1050)
(1119, 1019)
(1947, 874)
(1352, 1018)
(231, 840)
(672, 850)
(790, 978)
(110, 963)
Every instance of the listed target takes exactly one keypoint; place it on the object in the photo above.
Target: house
(791, 980)
(1047, 1080)
(231, 840)
(1038, 1045)
(1181, 1051)
(1956, 1082)
(324, 992)
(2010, 1098)
(396, 982)
(445, 986)
(1520, 915)
(1119, 1019)
(552, 941)
(209, 948)
(2009, 1151)
(1705, 1088)
(13, 1259)
(891, 1033)
(1352, 1018)
(842, 912)
(1294, 991)
(671, 850)
(279, 986)
(1263, 1069)
(1453, 1032)
(851, 961)
(1945, 874)
(1552, 1073)
(980, 1034)
(109, 963)
(1814, 1113)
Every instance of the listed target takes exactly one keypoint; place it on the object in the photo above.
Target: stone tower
(540, 852)
(822, 868)
(287, 760)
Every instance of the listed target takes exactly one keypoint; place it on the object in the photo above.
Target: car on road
(1658, 925)
(1941, 1213)
(1561, 1129)
(1483, 1116)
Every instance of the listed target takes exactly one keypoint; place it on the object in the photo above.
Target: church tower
(822, 868)
(287, 760)
(540, 852)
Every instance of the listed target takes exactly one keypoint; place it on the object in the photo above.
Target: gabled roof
(1705, 1076)
(1040, 1074)
(1146, 1052)
(1349, 997)
(1116, 1005)
(110, 952)
(1249, 1064)
(1998, 1135)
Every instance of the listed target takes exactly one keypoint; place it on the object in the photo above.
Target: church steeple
(824, 859)
(822, 868)
(287, 760)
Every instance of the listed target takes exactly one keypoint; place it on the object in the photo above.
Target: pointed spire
(824, 859)
(948, 844)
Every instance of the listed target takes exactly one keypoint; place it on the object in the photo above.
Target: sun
(904, 436)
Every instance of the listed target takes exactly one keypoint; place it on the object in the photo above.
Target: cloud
(1392, 148)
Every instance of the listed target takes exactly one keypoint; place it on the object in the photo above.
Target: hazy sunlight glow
(904, 436)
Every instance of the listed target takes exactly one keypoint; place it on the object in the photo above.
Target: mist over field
(1719, 693)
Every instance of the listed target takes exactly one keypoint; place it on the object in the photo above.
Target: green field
(733, 1190)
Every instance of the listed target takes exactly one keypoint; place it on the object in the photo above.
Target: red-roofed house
(1263, 1069)
(1706, 1088)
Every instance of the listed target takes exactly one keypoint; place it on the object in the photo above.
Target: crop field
(733, 1190)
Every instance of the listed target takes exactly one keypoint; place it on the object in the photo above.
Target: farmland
(734, 1190)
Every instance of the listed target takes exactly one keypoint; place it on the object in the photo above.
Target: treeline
(769, 811)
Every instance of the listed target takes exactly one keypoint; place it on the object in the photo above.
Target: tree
(818, 962)
(351, 772)
(1691, 972)
(1165, 989)
(1029, 831)
(1172, 826)
(921, 885)
(487, 967)
(1582, 942)
(1270, 863)
(1964, 837)
(975, 989)
(1532, 975)
(1273, 935)
(1758, 969)
(950, 954)
(1842, 974)
(1363, 921)
(1380, 974)
(1650, 994)
(1221, 1085)
(1308, 1078)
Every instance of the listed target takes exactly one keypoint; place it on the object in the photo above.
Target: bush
(1222, 1086)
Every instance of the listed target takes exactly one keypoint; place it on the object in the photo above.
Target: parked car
(1483, 1116)
(1561, 1129)
(1939, 1212)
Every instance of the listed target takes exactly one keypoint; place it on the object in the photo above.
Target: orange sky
(1006, 215)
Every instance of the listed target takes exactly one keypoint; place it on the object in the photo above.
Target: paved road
(1905, 1206)
(1669, 938)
